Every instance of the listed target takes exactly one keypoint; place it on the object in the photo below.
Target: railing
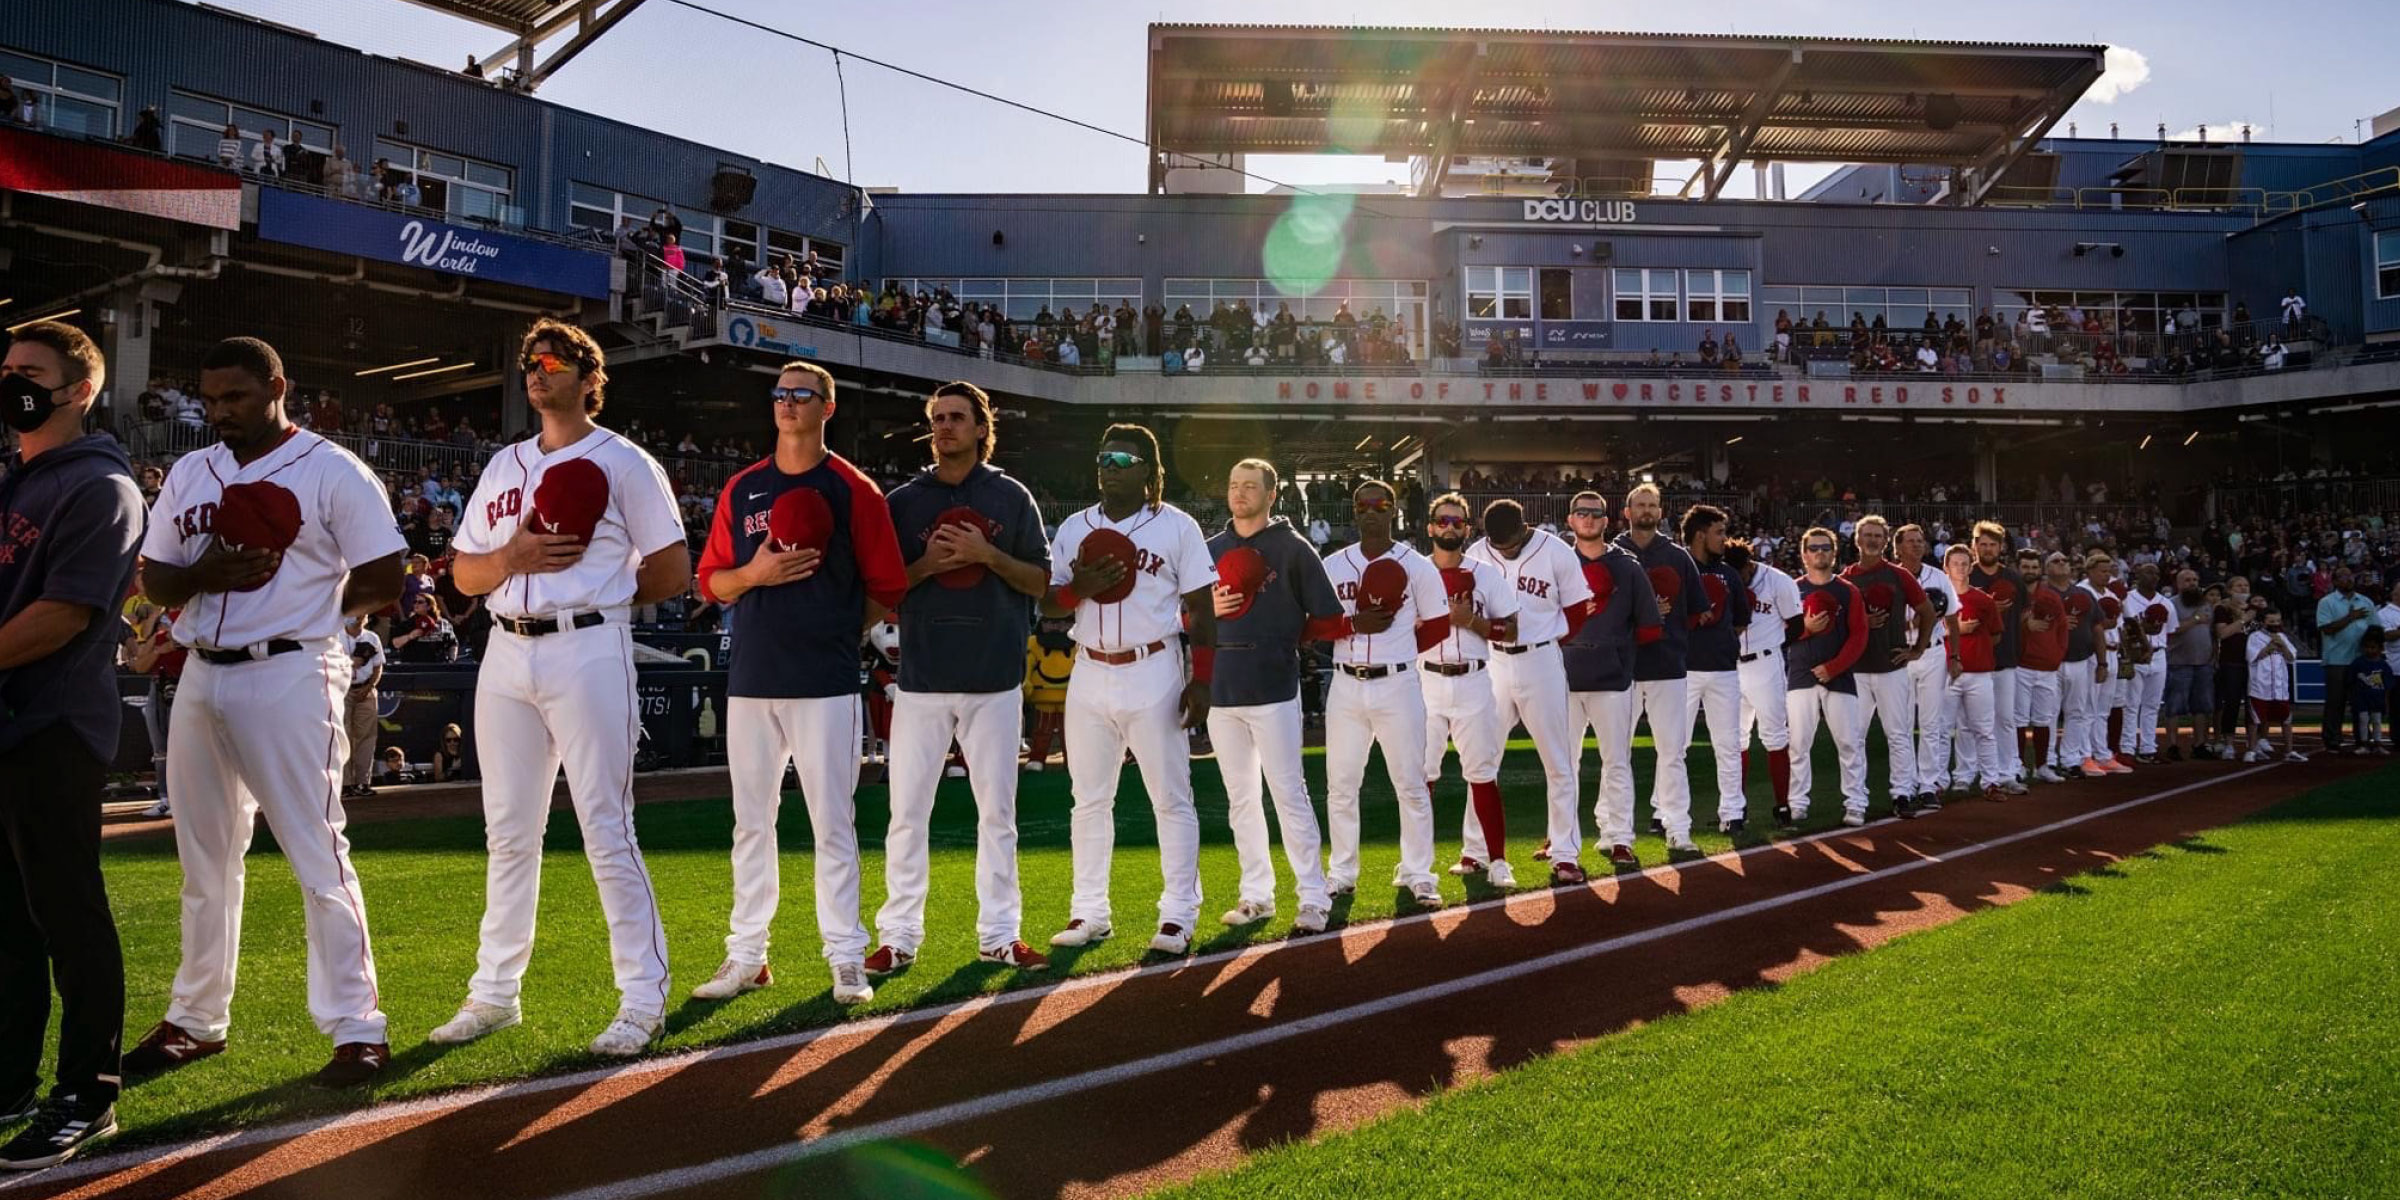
(2338, 496)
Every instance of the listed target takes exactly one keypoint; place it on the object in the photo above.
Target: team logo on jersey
(18, 539)
(506, 504)
(196, 521)
(1533, 586)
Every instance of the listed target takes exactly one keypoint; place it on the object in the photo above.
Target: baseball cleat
(1467, 866)
(1658, 828)
(1341, 887)
(1991, 792)
(1501, 875)
(628, 1035)
(2092, 769)
(23, 1106)
(1543, 854)
(1930, 802)
(1312, 919)
(60, 1130)
(889, 958)
(1248, 912)
(850, 984)
(474, 1019)
(2014, 787)
(1566, 874)
(1080, 932)
(732, 979)
(1016, 954)
(2295, 756)
(1733, 825)
(165, 1048)
(2117, 766)
(1853, 820)
(160, 809)
(1427, 894)
(2044, 774)
(1784, 817)
(1172, 939)
(1622, 855)
(1682, 843)
(2253, 756)
(1905, 808)
(1034, 765)
(954, 771)
(354, 1063)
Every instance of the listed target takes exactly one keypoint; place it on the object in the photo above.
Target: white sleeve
(164, 541)
(1194, 569)
(1504, 598)
(473, 533)
(1425, 587)
(646, 503)
(359, 515)
(1567, 575)
(1063, 548)
(1787, 597)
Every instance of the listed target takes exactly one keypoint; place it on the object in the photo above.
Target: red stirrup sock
(1779, 773)
(1486, 798)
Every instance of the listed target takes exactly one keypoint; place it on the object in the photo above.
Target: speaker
(998, 239)
(1942, 112)
(731, 188)
(1279, 97)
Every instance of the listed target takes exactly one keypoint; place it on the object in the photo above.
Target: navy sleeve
(1028, 544)
(90, 544)
(1692, 588)
(1314, 588)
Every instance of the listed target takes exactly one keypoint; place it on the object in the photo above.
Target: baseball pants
(55, 923)
(1929, 680)
(566, 699)
(265, 737)
(1459, 710)
(362, 722)
(986, 726)
(1719, 695)
(1891, 698)
(1530, 689)
(1765, 703)
(1846, 716)
(1136, 706)
(1971, 700)
(1262, 741)
(2037, 707)
(1360, 714)
(2079, 695)
(1671, 737)
(2143, 695)
(819, 737)
(1609, 715)
(2004, 702)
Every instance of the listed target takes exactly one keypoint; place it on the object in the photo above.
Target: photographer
(72, 519)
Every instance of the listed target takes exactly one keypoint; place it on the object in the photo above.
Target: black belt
(1455, 669)
(1354, 671)
(542, 626)
(226, 658)
(1513, 648)
(1769, 652)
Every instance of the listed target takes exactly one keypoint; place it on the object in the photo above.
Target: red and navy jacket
(799, 640)
(1665, 658)
(2004, 651)
(1907, 594)
(1837, 649)
(1600, 651)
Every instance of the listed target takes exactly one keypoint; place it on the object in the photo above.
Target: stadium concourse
(1983, 532)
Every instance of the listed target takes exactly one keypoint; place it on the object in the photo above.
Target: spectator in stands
(1733, 352)
(27, 114)
(392, 768)
(665, 224)
(717, 284)
(1708, 347)
(771, 288)
(2272, 357)
(229, 147)
(266, 158)
(2295, 311)
(427, 636)
(474, 69)
(451, 762)
(360, 715)
(671, 250)
(148, 133)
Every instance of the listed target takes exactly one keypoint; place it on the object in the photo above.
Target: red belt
(1118, 658)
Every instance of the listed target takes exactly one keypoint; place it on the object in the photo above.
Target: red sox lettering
(196, 520)
(506, 504)
(1533, 587)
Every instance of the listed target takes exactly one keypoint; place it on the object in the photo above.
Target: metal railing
(401, 456)
(2332, 496)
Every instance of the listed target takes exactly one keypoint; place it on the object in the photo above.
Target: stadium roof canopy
(530, 23)
(1506, 93)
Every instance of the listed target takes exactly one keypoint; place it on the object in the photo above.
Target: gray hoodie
(70, 522)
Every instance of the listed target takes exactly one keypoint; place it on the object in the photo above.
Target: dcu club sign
(425, 241)
(1581, 212)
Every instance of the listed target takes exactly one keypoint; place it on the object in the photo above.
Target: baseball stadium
(1851, 581)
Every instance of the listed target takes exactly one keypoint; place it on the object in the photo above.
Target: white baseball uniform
(267, 735)
(1529, 674)
(2146, 691)
(1136, 704)
(1929, 678)
(1458, 696)
(566, 698)
(2079, 693)
(1774, 599)
(1374, 701)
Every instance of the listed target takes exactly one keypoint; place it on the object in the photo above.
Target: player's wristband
(1204, 663)
(1067, 597)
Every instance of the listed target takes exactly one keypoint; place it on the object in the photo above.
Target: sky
(2287, 70)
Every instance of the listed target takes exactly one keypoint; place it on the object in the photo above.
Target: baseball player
(1601, 653)
(70, 523)
(1529, 674)
(802, 555)
(1825, 643)
(1396, 613)
(1458, 685)
(1928, 673)
(1713, 684)
(1125, 567)
(266, 540)
(1658, 667)
(1884, 688)
(977, 561)
(2042, 649)
(1766, 701)
(565, 533)
(2082, 669)
(2007, 589)
(1967, 643)
(361, 710)
(2272, 665)
(1271, 595)
(2145, 639)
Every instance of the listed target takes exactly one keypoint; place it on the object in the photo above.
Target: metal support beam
(590, 19)
(1986, 173)
(1754, 115)
(1445, 136)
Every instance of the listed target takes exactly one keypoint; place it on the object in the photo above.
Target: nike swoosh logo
(755, 496)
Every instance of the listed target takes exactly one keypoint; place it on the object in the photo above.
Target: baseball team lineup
(1966, 656)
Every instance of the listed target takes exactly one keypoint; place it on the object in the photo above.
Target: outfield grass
(2212, 1019)
(424, 888)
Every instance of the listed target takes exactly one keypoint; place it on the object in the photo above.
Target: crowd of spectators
(2099, 341)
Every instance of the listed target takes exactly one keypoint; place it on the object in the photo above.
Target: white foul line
(999, 1102)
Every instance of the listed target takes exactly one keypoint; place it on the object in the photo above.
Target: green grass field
(424, 888)
(2233, 1033)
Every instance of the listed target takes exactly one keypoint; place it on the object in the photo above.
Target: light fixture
(2145, 441)
(434, 371)
(5, 301)
(1648, 478)
(2195, 437)
(46, 317)
(1362, 443)
(1731, 440)
(398, 366)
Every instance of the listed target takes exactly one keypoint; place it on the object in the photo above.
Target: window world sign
(424, 241)
(1581, 212)
(1746, 391)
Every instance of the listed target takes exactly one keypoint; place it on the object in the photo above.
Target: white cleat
(1248, 912)
(160, 809)
(474, 1019)
(1500, 875)
(1682, 844)
(628, 1035)
(850, 984)
(1172, 939)
(1312, 919)
(2044, 774)
(732, 979)
(1427, 894)
(1080, 932)
(1854, 820)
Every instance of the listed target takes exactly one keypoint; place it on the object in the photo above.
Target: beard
(2190, 595)
(1449, 543)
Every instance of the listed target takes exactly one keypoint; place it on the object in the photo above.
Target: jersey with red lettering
(1426, 602)
(1172, 560)
(641, 520)
(1547, 578)
(1494, 598)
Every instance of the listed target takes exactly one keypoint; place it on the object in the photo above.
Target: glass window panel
(318, 136)
(582, 217)
(786, 243)
(446, 166)
(1903, 316)
(1021, 308)
(1737, 309)
(1909, 296)
(1703, 310)
(252, 120)
(1734, 283)
(1516, 308)
(194, 141)
(83, 116)
(1629, 308)
(1073, 289)
(584, 193)
(1662, 310)
(21, 68)
(89, 83)
(1517, 279)
(1628, 280)
(1482, 306)
(207, 112)
(489, 176)
(475, 202)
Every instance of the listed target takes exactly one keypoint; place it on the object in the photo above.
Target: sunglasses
(1818, 547)
(1371, 504)
(784, 395)
(548, 364)
(1597, 514)
(1117, 460)
(1449, 522)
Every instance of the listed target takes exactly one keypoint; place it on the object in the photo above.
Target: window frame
(50, 90)
(1646, 299)
(1509, 299)
(2387, 264)
(421, 168)
(1718, 296)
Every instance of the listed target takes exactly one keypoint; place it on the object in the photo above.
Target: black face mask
(1449, 543)
(2191, 595)
(27, 405)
